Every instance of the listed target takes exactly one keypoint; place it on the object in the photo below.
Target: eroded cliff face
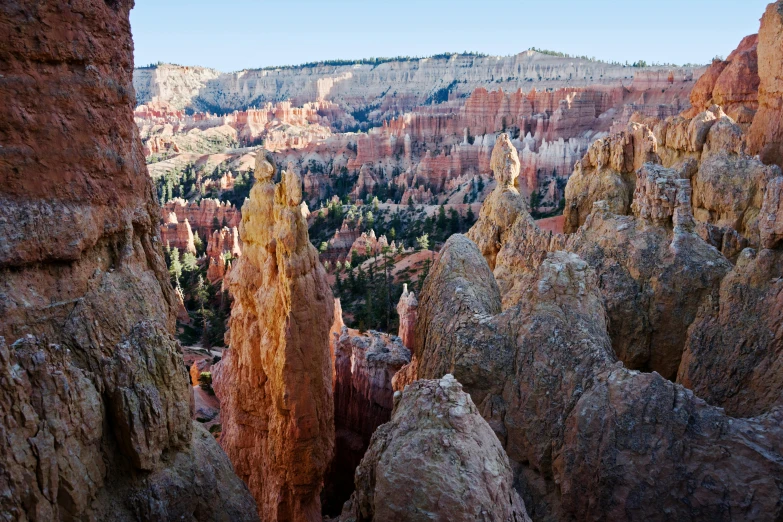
(358, 85)
(275, 380)
(436, 457)
(653, 268)
(725, 323)
(766, 133)
(364, 367)
(583, 433)
(93, 392)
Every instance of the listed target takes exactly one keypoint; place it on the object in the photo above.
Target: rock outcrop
(275, 380)
(765, 136)
(653, 268)
(436, 460)
(407, 309)
(733, 357)
(588, 439)
(94, 395)
(732, 83)
(364, 367)
(607, 172)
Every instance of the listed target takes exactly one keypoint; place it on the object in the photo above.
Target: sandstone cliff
(93, 391)
(360, 85)
(766, 133)
(436, 459)
(730, 199)
(275, 380)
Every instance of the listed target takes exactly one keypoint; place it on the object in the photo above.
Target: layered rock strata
(94, 396)
(436, 459)
(275, 380)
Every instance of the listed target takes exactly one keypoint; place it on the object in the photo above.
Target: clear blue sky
(236, 34)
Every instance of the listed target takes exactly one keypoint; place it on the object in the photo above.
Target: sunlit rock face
(766, 133)
(275, 380)
(94, 395)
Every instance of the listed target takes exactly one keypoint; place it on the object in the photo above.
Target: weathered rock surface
(275, 380)
(765, 136)
(437, 459)
(94, 395)
(732, 83)
(734, 353)
(644, 263)
(607, 173)
(407, 310)
(589, 439)
(364, 367)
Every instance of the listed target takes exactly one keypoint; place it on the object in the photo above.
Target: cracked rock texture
(437, 459)
(588, 438)
(94, 396)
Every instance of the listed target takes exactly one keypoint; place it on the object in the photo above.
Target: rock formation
(204, 217)
(644, 262)
(364, 367)
(275, 380)
(176, 234)
(733, 357)
(357, 86)
(436, 460)
(589, 439)
(427, 138)
(607, 172)
(732, 83)
(766, 133)
(406, 310)
(94, 395)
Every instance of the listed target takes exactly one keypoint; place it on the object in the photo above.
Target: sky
(231, 35)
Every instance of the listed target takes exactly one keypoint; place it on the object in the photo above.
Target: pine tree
(175, 269)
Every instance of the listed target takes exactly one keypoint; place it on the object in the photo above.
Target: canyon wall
(585, 434)
(364, 365)
(93, 390)
(361, 85)
(275, 379)
(522, 284)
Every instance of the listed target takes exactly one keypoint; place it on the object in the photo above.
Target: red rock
(93, 393)
(732, 83)
(766, 133)
(275, 381)
(203, 215)
(175, 234)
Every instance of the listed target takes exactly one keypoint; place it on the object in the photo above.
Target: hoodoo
(596, 251)
(275, 381)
